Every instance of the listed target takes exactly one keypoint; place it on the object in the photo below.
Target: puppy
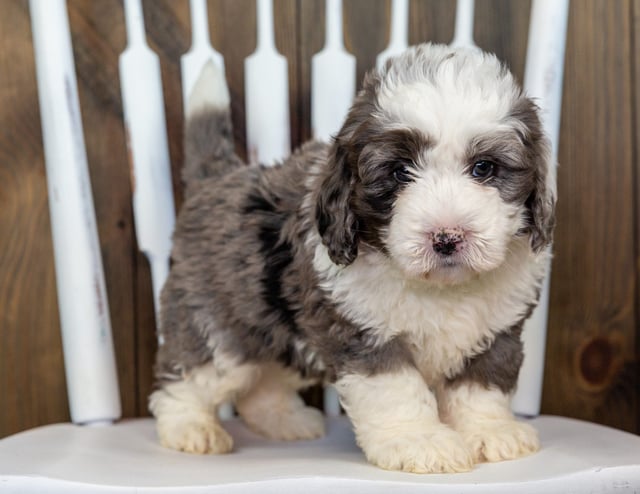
(397, 262)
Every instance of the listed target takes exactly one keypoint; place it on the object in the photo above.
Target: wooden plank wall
(593, 344)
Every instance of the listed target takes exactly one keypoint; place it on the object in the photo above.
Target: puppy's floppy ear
(541, 204)
(542, 200)
(335, 217)
(335, 220)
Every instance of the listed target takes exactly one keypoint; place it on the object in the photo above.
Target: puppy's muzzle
(448, 241)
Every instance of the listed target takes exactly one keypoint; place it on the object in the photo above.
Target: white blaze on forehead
(446, 115)
(449, 95)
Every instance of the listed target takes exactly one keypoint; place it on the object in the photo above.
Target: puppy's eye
(402, 175)
(483, 169)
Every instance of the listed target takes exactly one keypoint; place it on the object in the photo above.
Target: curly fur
(324, 268)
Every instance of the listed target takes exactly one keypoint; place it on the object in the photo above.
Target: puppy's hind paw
(500, 440)
(200, 435)
(297, 423)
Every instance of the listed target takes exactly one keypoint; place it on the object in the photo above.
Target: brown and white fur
(397, 262)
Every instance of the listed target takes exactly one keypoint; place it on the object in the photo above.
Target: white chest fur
(444, 325)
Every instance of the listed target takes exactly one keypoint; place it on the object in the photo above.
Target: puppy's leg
(274, 409)
(476, 402)
(395, 417)
(484, 419)
(186, 410)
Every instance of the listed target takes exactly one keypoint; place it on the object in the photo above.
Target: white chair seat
(575, 457)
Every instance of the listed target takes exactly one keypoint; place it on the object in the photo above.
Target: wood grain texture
(431, 20)
(635, 50)
(285, 24)
(366, 24)
(593, 346)
(502, 27)
(32, 385)
(591, 370)
(311, 34)
(234, 26)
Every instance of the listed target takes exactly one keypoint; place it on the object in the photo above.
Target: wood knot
(598, 360)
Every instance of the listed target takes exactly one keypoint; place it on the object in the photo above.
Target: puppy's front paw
(201, 435)
(440, 450)
(498, 440)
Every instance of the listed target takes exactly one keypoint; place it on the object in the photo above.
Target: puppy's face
(440, 165)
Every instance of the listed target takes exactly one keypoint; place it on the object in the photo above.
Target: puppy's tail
(208, 136)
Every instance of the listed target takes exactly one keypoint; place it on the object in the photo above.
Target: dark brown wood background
(593, 343)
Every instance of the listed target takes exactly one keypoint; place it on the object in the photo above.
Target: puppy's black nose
(446, 242)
